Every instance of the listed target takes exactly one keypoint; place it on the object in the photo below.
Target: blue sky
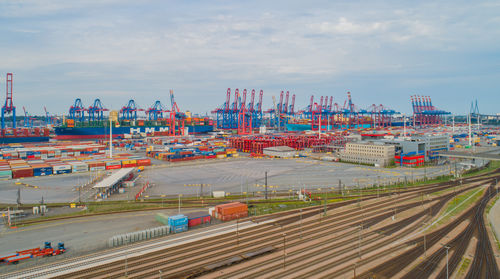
(380, 51)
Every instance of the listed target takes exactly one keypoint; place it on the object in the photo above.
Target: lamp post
(180, 195)
(425, 240)
(237, 232)
(359, 240)
(447, 272)
(301, 223)
(284, 250)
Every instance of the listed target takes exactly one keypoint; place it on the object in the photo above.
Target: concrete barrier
(123, 239)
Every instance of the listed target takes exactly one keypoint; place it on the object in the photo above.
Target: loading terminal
(111, 184)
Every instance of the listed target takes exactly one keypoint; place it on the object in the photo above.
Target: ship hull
(7, 140)
(66, 133)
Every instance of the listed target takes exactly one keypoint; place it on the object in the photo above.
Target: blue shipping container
(177, 220)
(178, 229)
(41, 173)
(63, 171)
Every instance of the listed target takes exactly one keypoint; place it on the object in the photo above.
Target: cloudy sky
(380, 51)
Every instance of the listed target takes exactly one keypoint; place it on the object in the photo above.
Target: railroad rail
(337, 240)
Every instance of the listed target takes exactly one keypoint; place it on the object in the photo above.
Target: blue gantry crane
(96, 111)
(77, 111)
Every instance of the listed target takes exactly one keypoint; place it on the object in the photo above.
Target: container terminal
(249, 192)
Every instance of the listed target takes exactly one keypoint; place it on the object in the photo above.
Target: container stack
(19, 168)
(178, 223)
(177, 154)
(197, 218)
(78, 167)
(231, 211)
(41, 169)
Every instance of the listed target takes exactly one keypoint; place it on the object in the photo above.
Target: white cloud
(344, 26)
(196, 43)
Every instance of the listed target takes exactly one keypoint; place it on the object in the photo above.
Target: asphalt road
(235, 175)
(230, 175)
(80, 235)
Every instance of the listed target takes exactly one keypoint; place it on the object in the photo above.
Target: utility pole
(404, 130)
(324, 214)
(180, 195)
(447, 272)
(340, 188)
(301, 223)
(453, 119)
(470, 129)
(18, 196)
(237, 232)
(110, 138)
(359, 240)
(266, 184)
(425, 240)
(284, 250)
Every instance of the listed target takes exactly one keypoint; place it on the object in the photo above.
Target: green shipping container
(162, 218)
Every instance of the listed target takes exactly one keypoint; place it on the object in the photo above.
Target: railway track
(257, 250)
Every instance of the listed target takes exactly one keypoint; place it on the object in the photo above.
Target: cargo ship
(20, 135)
(70, 130)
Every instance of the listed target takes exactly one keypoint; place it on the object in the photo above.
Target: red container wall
(206, 219)
(113, 167)
(18, 173)
(143, 162)
(194, 222)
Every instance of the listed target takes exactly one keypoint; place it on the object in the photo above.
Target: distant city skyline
(381, 51)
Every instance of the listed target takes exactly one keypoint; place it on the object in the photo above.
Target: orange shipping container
(236, 208)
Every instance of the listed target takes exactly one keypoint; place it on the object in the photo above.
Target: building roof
(279, 149)
(111, 180)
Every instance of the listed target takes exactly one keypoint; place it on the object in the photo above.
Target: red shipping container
(113, 167)
(143, 162)
(194, 222)
(24, 172)
(205, 219)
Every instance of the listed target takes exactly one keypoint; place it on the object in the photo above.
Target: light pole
(301, 223)
(359, 240)
(447, 248)
(159, 271)
(284, 250)
(180, 195)
(237, 232)
(266, 183)
(425, 240)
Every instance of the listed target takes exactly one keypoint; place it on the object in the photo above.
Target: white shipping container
(61, 167)
(218, 194)
(78, 170)
(98, 168)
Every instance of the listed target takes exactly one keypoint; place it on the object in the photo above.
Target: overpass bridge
(469, 155)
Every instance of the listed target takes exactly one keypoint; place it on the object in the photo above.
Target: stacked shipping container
(230, 211)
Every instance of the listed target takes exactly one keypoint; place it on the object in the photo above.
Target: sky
(381, 51)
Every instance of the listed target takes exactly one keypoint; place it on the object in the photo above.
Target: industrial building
(280, 151)
(376, 153)
(427, 145)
